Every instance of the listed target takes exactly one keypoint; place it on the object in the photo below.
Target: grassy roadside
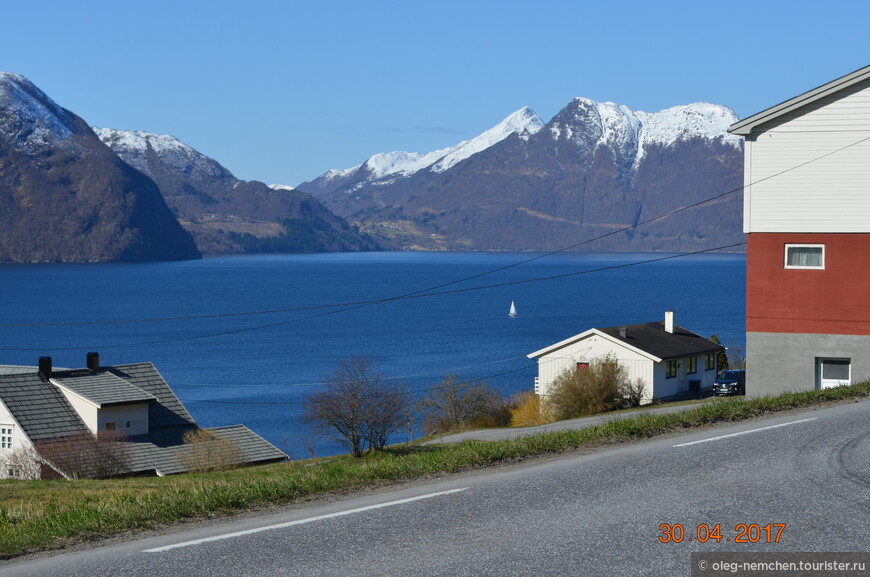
(40, 515)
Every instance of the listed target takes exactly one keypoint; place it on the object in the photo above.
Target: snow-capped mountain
(64, 196)
(137, 147)
(401, 164)
(525, 185)
(228, 215)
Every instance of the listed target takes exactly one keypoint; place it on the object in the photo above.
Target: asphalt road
(593, 514)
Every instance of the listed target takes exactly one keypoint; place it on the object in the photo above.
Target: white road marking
(745, 432)
(299, 522)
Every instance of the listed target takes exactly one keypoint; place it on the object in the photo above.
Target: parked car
(730, 382)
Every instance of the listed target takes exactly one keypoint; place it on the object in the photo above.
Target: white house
(668, 358)
(47, 413)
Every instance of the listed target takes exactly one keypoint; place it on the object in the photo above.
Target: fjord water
(257, 369)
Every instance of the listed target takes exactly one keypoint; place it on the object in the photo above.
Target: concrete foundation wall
(782, 362)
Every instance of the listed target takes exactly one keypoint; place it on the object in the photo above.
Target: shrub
(85, 456)
(454, 405)
(208, 452)
(600, 387)
(529, 411)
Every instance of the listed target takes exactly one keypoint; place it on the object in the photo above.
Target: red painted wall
(835, 300)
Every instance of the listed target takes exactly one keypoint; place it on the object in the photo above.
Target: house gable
(754, 123)
(572, 344)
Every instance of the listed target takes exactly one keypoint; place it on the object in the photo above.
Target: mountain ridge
(594, 167)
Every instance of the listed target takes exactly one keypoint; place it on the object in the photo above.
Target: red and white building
(807, 216)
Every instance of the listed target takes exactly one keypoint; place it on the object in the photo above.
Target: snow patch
(29, 113)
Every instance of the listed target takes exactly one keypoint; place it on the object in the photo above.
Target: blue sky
(281, 91)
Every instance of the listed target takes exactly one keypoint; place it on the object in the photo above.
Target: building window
(710, 362)
(691, 365)
(670, 369)
(5, 437)
(128, 424)
(582, 366)
(805, 256)
(110, 426)
(834, 372)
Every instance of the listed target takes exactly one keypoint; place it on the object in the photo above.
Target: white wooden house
(668, 358)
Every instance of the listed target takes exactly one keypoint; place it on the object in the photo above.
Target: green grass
(39, 515)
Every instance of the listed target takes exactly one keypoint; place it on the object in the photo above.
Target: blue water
(257, 369)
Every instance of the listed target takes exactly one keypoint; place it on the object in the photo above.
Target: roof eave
(585, 334)
(748, 125)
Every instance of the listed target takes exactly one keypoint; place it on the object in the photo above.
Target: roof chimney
(669, 322)
(45, 368)
(93, 360)
(623, 332)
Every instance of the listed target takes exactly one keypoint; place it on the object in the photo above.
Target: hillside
(66, 197)
(228, 215)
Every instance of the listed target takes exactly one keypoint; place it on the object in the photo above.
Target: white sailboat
(513, 312)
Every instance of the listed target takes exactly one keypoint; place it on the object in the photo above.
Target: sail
(513, 312)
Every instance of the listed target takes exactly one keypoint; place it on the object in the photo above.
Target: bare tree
(359, 405)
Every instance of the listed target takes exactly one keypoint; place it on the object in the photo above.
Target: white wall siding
(22, 448)
(136, 414)
(808, 171)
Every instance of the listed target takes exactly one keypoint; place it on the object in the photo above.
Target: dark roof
(653, 339)
(102, 387)
(39, 407)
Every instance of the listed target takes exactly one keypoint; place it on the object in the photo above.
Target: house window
(834, 372)
(582, 366)
(5, 437)
(805, 256)
(691, 365)
(710, 362)
(110, 426)
(128, 424)
(671, 369)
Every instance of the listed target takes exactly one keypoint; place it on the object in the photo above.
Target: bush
(529, 411)
(455, 405)
(208, 452)
(85, 456)
(600, 387)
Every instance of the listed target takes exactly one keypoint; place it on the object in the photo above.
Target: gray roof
(102, 387)
(748, 125)
(39, 407)
(168, 411)
(652, 338)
